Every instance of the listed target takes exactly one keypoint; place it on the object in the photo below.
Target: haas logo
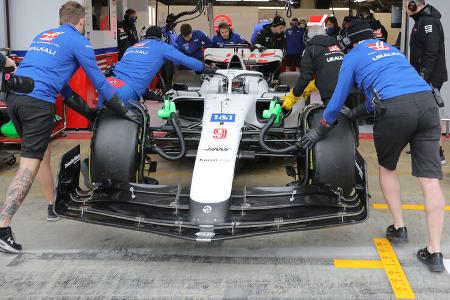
(334, 48)
(378, 46)
(50, 36)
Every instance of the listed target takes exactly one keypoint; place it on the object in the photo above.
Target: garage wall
(3, 34)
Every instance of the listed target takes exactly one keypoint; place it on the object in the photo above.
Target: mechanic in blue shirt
(51, 60)
(257, 29)
(226, 36)
(294, 45)
(140, 63)
(191, 42)
(169, 30)
(406, 112)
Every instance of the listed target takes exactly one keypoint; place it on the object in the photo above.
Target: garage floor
(73, 260)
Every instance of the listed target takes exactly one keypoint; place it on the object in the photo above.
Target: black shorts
(33, 119)
(410, 119)
(293, 60)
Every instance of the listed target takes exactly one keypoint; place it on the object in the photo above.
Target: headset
(412, 6)
(224, 25)
(346, 41)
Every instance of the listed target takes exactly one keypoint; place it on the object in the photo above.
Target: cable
(263, 144)
(174, 120)
(288, 8)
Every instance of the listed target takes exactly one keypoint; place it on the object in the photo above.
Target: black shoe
(435, 261)
(7, 242)
(399, 235)
(441, 153)
(52, 217)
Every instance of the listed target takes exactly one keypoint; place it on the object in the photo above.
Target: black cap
(277, 21)
(359, 30)
(154, 32)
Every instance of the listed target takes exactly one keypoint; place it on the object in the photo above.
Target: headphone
(224, 25)
(412, 6)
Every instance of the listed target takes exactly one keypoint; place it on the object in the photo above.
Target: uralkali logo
(49, 36)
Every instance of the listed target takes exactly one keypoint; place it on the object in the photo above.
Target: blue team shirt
(294, 40)
(171, 35)
(218, 41)
(193, 48)
(141, 62)
(257, 29)
(53, 58)
(374, 64)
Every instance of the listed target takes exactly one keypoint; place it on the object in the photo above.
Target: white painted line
(447, 265)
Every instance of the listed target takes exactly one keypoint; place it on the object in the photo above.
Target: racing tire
(115, 149)
(332, 160)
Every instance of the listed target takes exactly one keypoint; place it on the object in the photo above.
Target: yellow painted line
(405, 206)
(358, 264)
(394, 271)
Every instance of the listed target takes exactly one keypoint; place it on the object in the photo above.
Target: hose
(267, 147)
(174, 119)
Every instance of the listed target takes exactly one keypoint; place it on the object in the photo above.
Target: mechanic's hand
(251, 47)
(310, 88)
(208, 70)
(314, 135)
(10, 63)
(290, 100)
(359, 112)
(261, 49)
(133, 117)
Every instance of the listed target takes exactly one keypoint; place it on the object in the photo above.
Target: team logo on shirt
(379, 46)
(334, 48)
(139, 45)
(49, 36)
(429, 29)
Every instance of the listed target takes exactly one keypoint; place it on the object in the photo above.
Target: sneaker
(441, 153)
(435, 261)
(399, 235)
(52, 217)
(7, 242)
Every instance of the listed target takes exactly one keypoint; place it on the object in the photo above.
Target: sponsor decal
(131, 51)
(139, 45)
(132, 193)
(335, 58)
(207, 209)
(212, 160)
(379, 46)
(389, 54)
(72, 161)
(220, 133)
(231, 118)
(334, 48)
(42, 49)
(429, 29)
(50, 36)
(205, 235)
(217, 149)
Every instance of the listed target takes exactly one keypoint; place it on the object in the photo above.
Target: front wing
(164, 210)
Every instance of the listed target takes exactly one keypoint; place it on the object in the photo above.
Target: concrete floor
(74, 260)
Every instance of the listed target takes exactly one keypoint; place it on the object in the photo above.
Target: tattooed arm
(15, 195)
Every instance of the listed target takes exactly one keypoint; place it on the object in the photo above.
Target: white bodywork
(225, 112)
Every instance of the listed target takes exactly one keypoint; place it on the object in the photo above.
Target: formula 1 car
(219, 120)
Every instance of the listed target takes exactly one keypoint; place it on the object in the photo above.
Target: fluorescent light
(340, 8)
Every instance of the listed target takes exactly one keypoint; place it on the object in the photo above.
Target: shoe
(399, 235)
(435, 261)
(52, 217)
(7, 242)
(441, 153)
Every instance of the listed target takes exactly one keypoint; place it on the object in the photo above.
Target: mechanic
(169, 30)
(122, 40)
(272, 35)
(294, 45)
(406, 111)
(226, 36)
(379, 30)
(322, 60)
(257, 29)
(129, 25)
(51, 60)
(332, 27)
(191, 42)
(427, 46)
(141, 62)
